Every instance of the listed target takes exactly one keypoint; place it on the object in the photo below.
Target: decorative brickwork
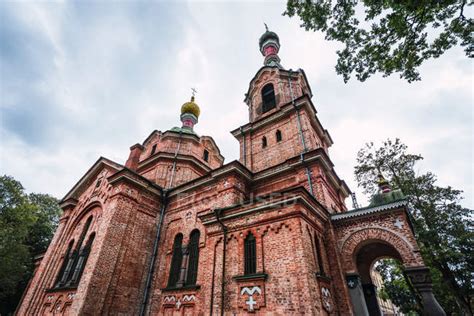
(284, 192)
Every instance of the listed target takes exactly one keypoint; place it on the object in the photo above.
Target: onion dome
(268, 36)
(191, 107)
(385, 194)
(269, 44)
(383, 184)
(189, 115)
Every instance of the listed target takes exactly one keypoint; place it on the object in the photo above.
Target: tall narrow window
(206, 155)
(76, 253)
(67, 261)
(278, 136)
(153, 150)
(176, 260)
(317, 245)
(250, 255)
(193, 259)
(81, 263)
(264, 142)
(268, 98)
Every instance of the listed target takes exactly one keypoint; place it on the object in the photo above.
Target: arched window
(81, 262)
(264, 142)
(278, 135)
(250, 255)
(317, 245)
(206, 155)
(176, 260)
(268, 98)
(66, 266)
(76, 254)
(193, 250)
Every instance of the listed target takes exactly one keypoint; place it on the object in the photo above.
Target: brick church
(175, 231)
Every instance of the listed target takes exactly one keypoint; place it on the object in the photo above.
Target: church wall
(337, 273)
(34, 297)
(278, 240)
(168, 143)
(259, 158)
(161, 173)
(41, 295)
(124, 240)
(126, 286)
(182, 217)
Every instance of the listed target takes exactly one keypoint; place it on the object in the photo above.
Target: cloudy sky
(82, 80)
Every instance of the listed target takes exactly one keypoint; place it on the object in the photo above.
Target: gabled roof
(93, 171)
(369, 210)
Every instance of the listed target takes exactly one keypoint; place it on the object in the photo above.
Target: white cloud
(113, 73)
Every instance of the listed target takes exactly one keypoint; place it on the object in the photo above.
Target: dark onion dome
(268, 35)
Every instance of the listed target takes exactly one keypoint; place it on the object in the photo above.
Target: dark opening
(153, 150)
(250, 255)
(268, 98)
(73, 260)
(317, 245)
(206, 155)
(63, 272)
(175, 268)
(264, 142)
(81, 263)
(193, 249)
(278, 136)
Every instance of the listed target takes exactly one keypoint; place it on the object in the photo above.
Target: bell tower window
(268, 98)
(206, 155)
(264, 142)
(278, 136)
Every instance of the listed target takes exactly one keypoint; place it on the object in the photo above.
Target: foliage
(27, 223)
(396, 287)
(443, 227)
(395, 36)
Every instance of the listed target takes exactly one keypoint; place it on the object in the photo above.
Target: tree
(27, 223)
(396, 288)
(444, 229)
(395, 36)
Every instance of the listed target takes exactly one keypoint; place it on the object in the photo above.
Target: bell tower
(284, 131)
(282, 118)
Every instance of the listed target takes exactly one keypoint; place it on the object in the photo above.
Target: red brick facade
(285, 193)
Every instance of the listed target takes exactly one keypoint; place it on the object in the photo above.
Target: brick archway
(408, 252)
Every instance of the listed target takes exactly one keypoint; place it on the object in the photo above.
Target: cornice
(302, 198)
(165, 155)
(70, 202)
(130, 177)
(357, 213)
(232, 167)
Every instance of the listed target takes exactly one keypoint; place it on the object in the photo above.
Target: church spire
(269, 46)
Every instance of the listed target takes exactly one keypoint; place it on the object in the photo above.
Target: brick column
(421, 279)
(370, 294)
(357, 295)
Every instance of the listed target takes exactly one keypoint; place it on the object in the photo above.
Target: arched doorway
(362, 252)
(365, 259)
